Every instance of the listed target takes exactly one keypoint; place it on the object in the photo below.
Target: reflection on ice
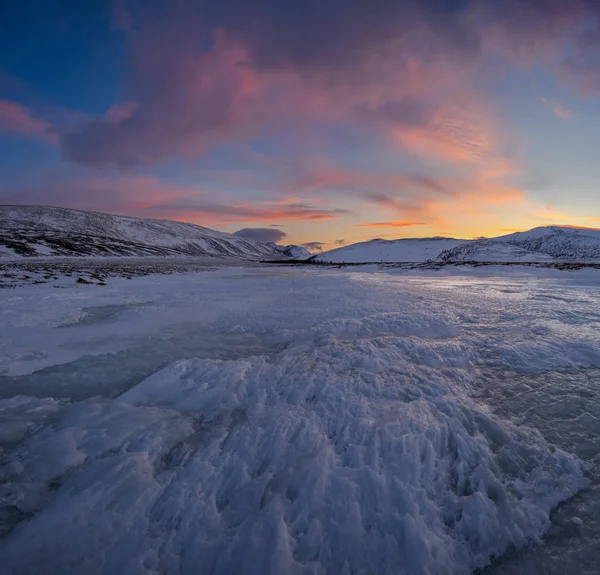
(565, 407)
(109, 375)
(101, 313)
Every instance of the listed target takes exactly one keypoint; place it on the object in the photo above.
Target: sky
(317, 122)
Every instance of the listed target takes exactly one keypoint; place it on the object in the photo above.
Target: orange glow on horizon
(398, 224)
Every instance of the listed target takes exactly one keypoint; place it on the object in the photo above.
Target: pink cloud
(187, 101)
(121, 112)
(562, 112)
(198, 211)
(258, 77)
(146, 196)
(184, 103)
(396, 224)
(558, 110)
(17, 119)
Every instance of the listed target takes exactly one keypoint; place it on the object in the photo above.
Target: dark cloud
(314, 246)
(340, 242)
(261, 234)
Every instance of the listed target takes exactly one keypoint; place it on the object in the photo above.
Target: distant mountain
(292, 252)
(543, 244)
(389, 251)
(47, 231)
(547, 243)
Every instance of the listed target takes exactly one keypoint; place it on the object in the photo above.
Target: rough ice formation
(355, 450)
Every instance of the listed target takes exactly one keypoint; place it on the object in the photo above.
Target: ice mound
(335, 455)
(20, 415)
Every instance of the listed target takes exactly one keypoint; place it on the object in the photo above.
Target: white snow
(293, 421)
(404, 250)
(492, 251)
(51, 231)
(291, 251)
(562, 243)
(543, 244)
(592, 234)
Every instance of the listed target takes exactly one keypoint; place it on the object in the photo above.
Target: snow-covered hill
(543, 244)
(292, 252)
(404, 250)
(559, 242)
(548, 243)
(491, 251)
(49, 231)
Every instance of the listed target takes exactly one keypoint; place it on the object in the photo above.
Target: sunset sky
(324, 121)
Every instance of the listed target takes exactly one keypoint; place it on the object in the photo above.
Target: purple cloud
(266, 62)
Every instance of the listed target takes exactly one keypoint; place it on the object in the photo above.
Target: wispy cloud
(550, 213)
(397, 224)
(559, 110)
(147, 196)
(18, 119)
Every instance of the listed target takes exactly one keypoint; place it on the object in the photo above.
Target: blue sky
(329, 121)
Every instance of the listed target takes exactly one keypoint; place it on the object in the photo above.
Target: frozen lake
(299, 420)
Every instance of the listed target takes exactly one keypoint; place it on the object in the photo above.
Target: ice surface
(285, 420)
(565, 406)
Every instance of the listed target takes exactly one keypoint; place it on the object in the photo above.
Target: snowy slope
(558, 242)
(49, 231)
(548, 243)
(404, 250)
(491, 251)
(292, 252)
(543, 244)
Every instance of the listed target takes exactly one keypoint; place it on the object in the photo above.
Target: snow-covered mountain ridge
(542, 244)
(51, 231)
(547, 243)
(389, 251)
